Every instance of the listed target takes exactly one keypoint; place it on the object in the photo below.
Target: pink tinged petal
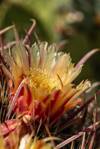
(12, 104)
(24, 100)
(21, 105)
(62, 100)
(8, 126)
(37, 110)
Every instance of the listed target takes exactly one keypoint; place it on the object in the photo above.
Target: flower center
(40, 79)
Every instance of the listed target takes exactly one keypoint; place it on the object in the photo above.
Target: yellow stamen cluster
(39, 78)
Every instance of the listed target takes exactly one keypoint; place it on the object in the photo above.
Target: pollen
(39, 78)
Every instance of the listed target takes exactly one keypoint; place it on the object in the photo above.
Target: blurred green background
(76, 21)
